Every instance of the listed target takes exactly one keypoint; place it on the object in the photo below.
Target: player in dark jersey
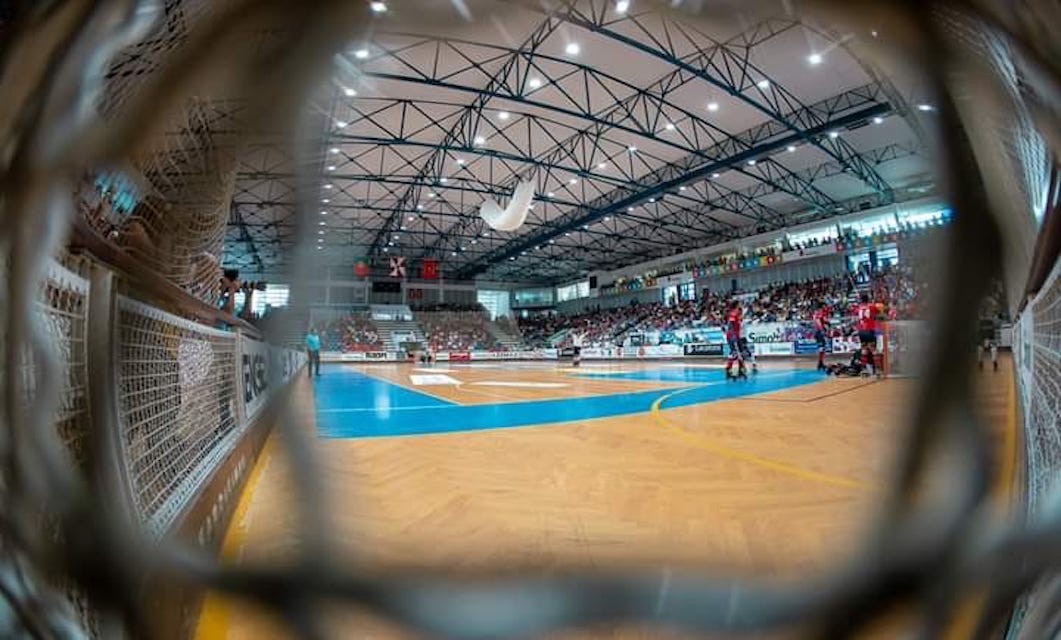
(732, 327)
(821, 326)
(866, 324)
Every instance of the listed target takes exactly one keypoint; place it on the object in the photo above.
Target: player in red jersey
(821, 326)
(866, 313)
(732, 327)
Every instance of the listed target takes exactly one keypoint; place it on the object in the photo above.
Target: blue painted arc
(351, 404)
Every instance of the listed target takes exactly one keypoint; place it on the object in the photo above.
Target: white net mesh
(178, 406)
(904, 347)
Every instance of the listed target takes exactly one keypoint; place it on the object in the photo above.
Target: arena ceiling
(646, 135)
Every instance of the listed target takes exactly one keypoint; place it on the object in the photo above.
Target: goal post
(901, 344)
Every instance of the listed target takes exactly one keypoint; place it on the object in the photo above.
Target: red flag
(429, 268)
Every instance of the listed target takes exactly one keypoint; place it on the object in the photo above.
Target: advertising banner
(459, 356)
(849, 344)
(773, 348)
(703, 349)
(804, 347)
(254, 375)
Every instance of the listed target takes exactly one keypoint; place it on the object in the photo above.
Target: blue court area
(351, 404)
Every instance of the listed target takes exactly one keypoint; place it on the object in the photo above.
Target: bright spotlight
(763, 84)
(361, 54)
(622, 6)
(712, 106)
(378, 7)
(572, 49)
(814, 58)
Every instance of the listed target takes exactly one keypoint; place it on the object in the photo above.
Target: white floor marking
(528, 385)
(435, 379)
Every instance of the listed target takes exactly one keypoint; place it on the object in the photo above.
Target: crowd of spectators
(895, 287)
(457, 331)
(350, 333)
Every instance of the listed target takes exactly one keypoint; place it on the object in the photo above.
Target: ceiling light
(815, 58)
(878, 120)
(632, 149)
(320, 248)
(327, 186)
(602, 165)
(403, 227)
(925, 107)
(873, 33)
(378, 7)
(669, 126)
(410, 218)
(572, 49)
(504, 115)
(651, 199)
(419, 207)
(454, 252)
(629, 209)
(361, 54)
(833, 135)
(474, 241)
(621, 6)
(791, 148)
(385, 249)
(325, 200)
(324, 213)
(322, 223)
(331, 167)
(334, 149)
(573, 181)
(443, 180)
(480, 141)
(534, 83)
(681, 188)
(320, 233)
(432, 194)
(460, 161)
(763, 84)
(715, 175)
(341, 124)
(751, 163)
(607, 218)
(512, 258)
(486, 234)
(712, 106)
(350, 93)
(550, 194)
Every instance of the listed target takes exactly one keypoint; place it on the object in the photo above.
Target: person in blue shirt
(313, 350)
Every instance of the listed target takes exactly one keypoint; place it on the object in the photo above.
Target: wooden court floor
(777, 484)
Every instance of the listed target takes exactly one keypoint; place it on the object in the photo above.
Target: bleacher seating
(782, 302)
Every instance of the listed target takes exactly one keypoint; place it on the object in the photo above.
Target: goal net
(902, 345)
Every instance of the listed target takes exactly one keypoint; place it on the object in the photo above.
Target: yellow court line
(214, 616)
(706, 444)
(971, 608)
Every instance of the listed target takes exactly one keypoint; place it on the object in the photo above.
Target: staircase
(506, 335)
(387, 329)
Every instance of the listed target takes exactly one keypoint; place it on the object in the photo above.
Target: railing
(182, 397)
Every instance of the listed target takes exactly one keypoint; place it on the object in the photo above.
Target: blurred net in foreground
(172, 399)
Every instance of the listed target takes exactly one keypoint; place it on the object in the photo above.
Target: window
(275, 295)
(573, 291)
(534, 298)
(496, 303)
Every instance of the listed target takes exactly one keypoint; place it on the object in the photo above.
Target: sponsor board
(262, 369)
(459, 356)
(254, 376)
(804, 347)
(849, 344)
(773, 349)
(702, 349)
